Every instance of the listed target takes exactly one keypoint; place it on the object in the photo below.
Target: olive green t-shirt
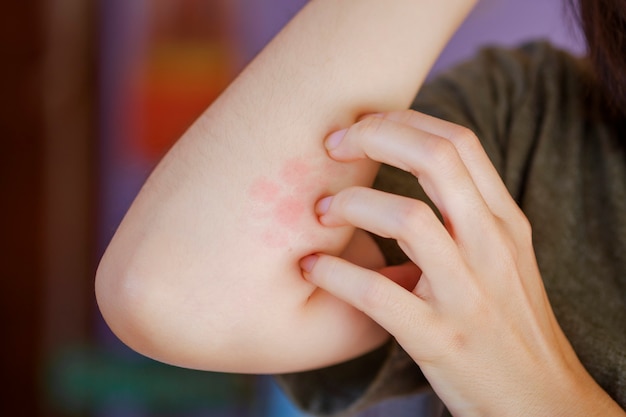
(564, 161)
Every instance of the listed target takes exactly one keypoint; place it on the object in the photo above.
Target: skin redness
(282, 204)
(278, 202)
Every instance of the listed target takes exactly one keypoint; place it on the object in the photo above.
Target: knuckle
(454, 341)
(374, 296)
(465, 141)
(521, 227)
(441, 153)
(380, 299)
(463, 136)
(524, 226)
(411, 216)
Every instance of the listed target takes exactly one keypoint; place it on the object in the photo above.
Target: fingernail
(307, 263)
(334, 139)
(323, 205)
(366, 115)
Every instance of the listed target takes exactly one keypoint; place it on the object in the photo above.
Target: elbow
(152, 312)
(121, 302)
(128, 298)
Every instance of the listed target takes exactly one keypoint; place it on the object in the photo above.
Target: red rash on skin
(289, 210)
(264, 190)
(280, 205)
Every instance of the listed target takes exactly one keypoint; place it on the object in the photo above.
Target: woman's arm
(203, 270)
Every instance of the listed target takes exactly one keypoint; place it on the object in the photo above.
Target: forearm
(203, 270)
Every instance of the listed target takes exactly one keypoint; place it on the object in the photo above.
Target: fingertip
(366, 115)
(308, 263)
(334, 139)
(323, 205)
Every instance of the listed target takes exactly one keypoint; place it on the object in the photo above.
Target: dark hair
(603, 23)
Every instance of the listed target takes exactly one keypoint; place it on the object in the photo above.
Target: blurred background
(93, 94)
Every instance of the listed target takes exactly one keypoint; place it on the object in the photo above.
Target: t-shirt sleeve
(490, 96)
(350, 387)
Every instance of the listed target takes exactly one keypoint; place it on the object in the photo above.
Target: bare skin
(203, 270)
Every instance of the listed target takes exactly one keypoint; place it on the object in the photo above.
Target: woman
(228, 259)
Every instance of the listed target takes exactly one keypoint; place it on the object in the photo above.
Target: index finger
(403, 314)
(432, 159)
(468, 147)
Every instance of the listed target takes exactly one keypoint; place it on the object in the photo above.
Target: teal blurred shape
(80, 380)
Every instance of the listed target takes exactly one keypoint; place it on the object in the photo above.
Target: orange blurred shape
(180, 79)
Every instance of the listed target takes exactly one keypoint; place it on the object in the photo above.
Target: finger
(472, 153)
(419, 232)
(397, 310)
(481, 169)
(432, 159)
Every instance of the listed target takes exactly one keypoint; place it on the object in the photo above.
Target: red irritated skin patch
(288, 211)
(279, 203)
(264, 190)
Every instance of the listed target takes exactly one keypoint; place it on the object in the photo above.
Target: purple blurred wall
(510, 22)
(503, 22)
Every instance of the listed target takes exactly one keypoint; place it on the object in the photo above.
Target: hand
(471, 310)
